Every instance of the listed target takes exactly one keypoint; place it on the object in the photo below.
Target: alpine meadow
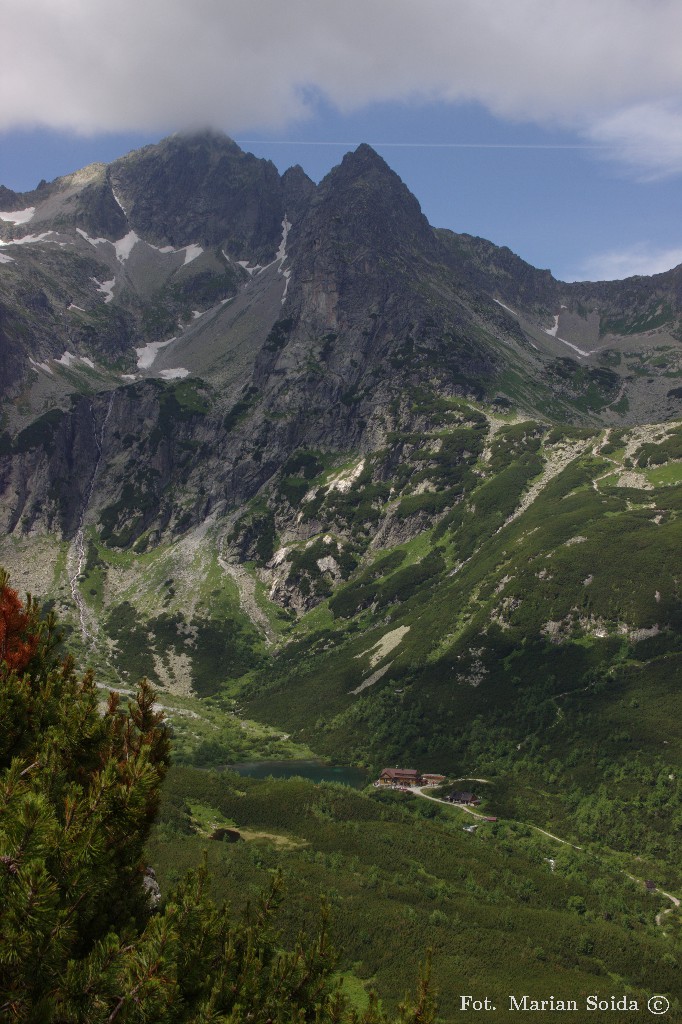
(341, 610)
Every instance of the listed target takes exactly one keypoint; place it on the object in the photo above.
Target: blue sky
(555, 129)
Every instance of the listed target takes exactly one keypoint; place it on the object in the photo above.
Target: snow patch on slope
(40, 366)
(287, 275)
(192, 252)
(148, 353)
(18, 216)
(92, 241)
(29, 239)
(69, 359)
(106, 288)
(282, 255)
(118, 201)
(124, 246)
(245, 264)
(552, 330)
(580, 351)
(282, 251)
(176, 374)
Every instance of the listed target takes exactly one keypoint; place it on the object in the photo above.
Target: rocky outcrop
(151, 887)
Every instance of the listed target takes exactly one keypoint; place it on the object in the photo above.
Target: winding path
(460, 807)
(662, 913)
(483, 817)
(673, 899)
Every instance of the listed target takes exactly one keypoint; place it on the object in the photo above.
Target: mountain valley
(345, 485)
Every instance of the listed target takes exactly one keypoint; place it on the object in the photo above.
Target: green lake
(315, 771)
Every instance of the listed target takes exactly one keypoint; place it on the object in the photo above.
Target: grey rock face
(151, 887)
(203, 189)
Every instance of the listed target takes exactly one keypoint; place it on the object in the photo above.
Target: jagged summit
(365, 155)
(364, 163)
(298, 190)
(212, 136)
(203, 187)
(145, 251)
(9, 200)
(373, 203)
(189, 141)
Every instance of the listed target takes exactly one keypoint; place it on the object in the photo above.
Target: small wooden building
(457, 797)
(400, 777)
(433, 780)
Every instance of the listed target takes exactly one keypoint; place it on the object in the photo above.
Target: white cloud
(648, 136)
(617, 264)
(93, 65)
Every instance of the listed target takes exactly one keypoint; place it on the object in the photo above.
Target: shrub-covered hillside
(85, 935)
(503, 908)
(530, 634)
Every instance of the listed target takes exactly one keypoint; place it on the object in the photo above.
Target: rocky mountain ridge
(193, 344)
(137, 249)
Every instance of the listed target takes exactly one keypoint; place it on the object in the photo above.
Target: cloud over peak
(609, 71)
